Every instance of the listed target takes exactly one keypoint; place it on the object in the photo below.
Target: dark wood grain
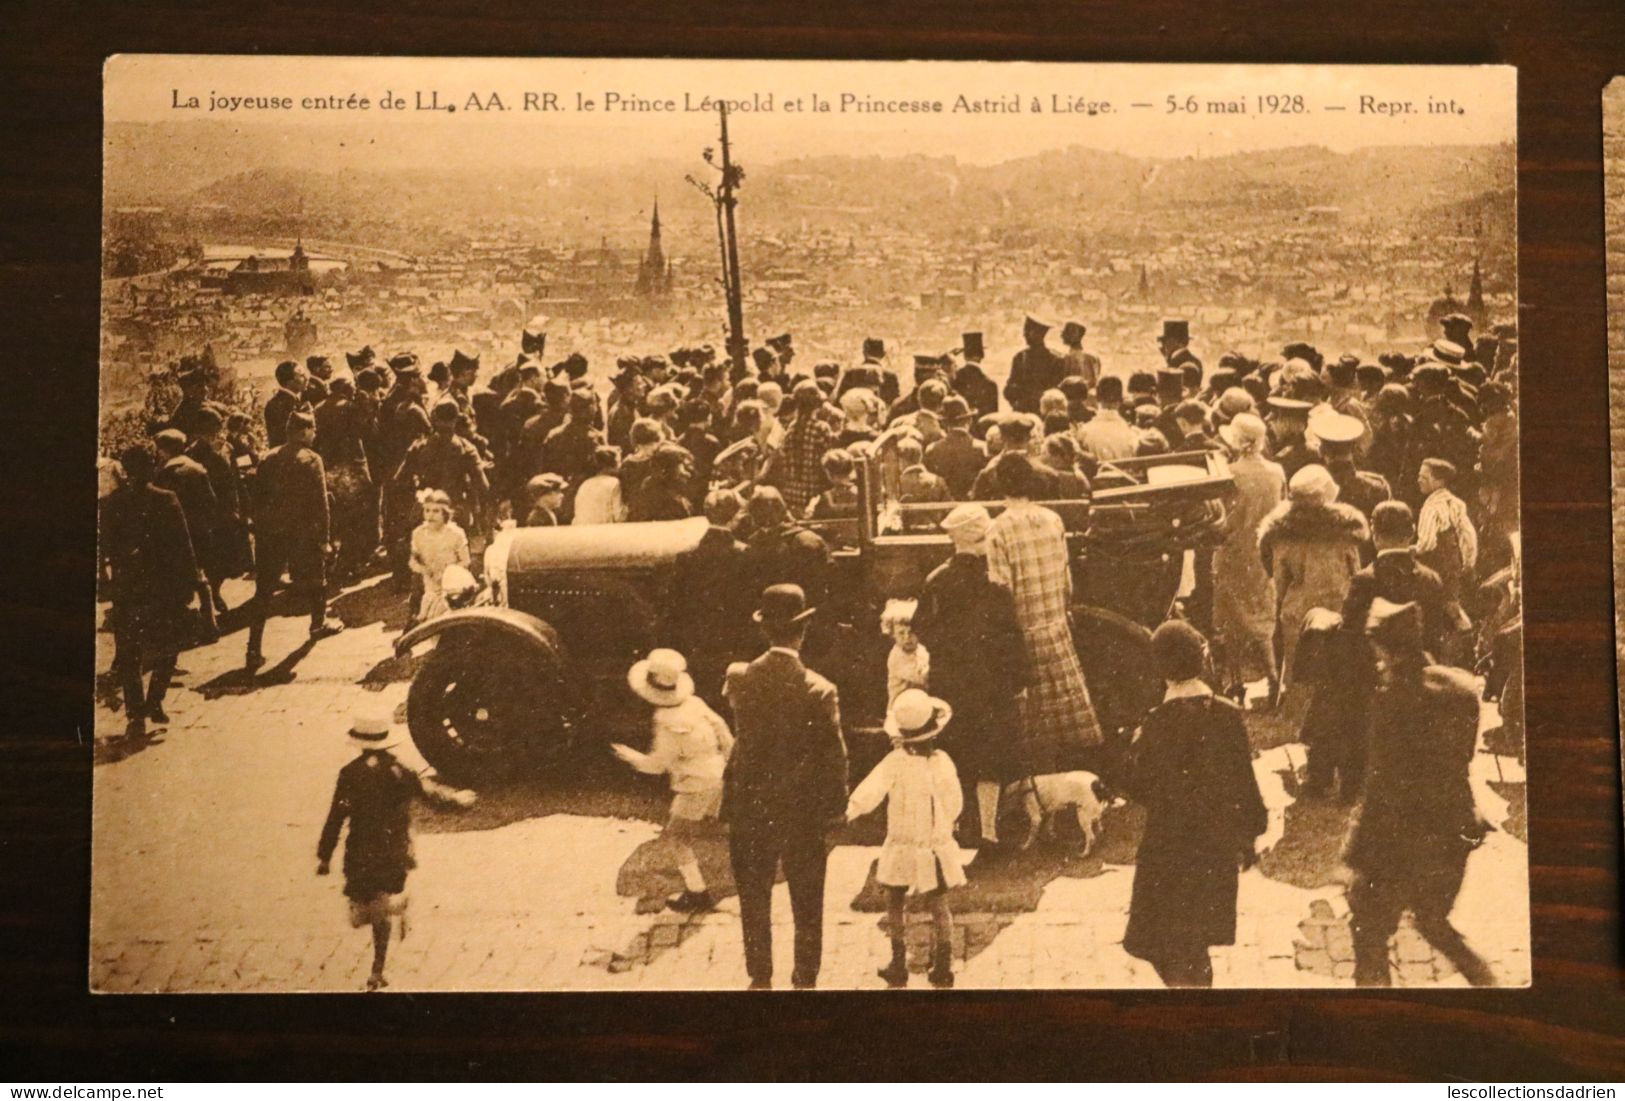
(1569, 1025)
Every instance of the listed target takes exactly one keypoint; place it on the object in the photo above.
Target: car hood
(601, 546)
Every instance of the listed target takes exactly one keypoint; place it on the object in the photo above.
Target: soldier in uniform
(445, 461)
(1033, 370)
(1079, 363)
(1339, 438)
(187, 480)
(146, 545)
(290, 532)
(194, 384)
(1288, 422)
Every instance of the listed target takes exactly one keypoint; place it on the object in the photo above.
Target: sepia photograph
(612, 525)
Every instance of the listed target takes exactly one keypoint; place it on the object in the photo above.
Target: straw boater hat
(916, 716)
(662, 678)
(372, 730)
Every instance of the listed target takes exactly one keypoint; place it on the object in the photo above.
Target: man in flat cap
(290, 533)
(1033, 370)
(1079, 363)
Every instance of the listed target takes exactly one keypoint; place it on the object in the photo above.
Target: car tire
(481, 715)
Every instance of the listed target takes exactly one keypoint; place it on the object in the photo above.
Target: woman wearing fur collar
(1311, 549)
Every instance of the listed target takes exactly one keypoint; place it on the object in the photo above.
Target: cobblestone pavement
(204, 868)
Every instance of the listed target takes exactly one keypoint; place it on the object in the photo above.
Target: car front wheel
(480, 715)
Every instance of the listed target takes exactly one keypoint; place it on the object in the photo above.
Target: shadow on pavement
(371, 601)
(239, 681)
(110, 751)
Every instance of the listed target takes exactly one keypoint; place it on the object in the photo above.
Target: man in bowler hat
(785, 786)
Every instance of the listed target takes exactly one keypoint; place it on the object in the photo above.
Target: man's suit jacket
(788, 768)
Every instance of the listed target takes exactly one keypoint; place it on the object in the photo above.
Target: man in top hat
(1033, 370)
(1170, 393)
(290, 532)
(971, 382)
(785, 786)
(374, 794)
(1079, 363)
(783, 348)
(1417, 824)
(1175, 343)
(872, 374)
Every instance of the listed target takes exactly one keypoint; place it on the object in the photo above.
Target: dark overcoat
(153, 571)
(979, 663)
(1192, 771)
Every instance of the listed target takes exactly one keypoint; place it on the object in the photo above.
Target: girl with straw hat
(920, 785)
(691, 744)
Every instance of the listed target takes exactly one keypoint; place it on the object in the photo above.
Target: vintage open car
(540, 663)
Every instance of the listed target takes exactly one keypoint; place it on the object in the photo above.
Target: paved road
(204, 862)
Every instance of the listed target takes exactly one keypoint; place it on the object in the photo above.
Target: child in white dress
(436, 544)
(909, 663)
(920, 857)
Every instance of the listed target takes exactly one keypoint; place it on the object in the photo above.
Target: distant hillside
(308, 176)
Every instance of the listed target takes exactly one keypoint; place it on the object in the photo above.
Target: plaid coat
(1026, 551)
(797, 468)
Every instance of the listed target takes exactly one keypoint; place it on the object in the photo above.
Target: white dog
(1042, 797)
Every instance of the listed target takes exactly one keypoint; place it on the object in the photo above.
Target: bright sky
(145, 87)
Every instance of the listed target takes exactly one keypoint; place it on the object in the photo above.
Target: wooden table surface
(1570, 1025)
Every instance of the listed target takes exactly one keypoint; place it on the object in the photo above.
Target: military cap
(1448, 351)
(1073, 331)
(301, 419)
(1283, 404)
(461, 362)
(780, 343)
(402, 360)
(1334, 428)
(1032, 322)
(927, 363)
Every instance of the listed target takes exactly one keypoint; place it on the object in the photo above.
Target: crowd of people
(1370, 500)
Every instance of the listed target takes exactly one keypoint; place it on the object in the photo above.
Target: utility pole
(725, 198)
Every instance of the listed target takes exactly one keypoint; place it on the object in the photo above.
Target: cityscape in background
(1256, 249)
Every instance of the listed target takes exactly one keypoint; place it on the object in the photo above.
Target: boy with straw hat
(691, 744)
